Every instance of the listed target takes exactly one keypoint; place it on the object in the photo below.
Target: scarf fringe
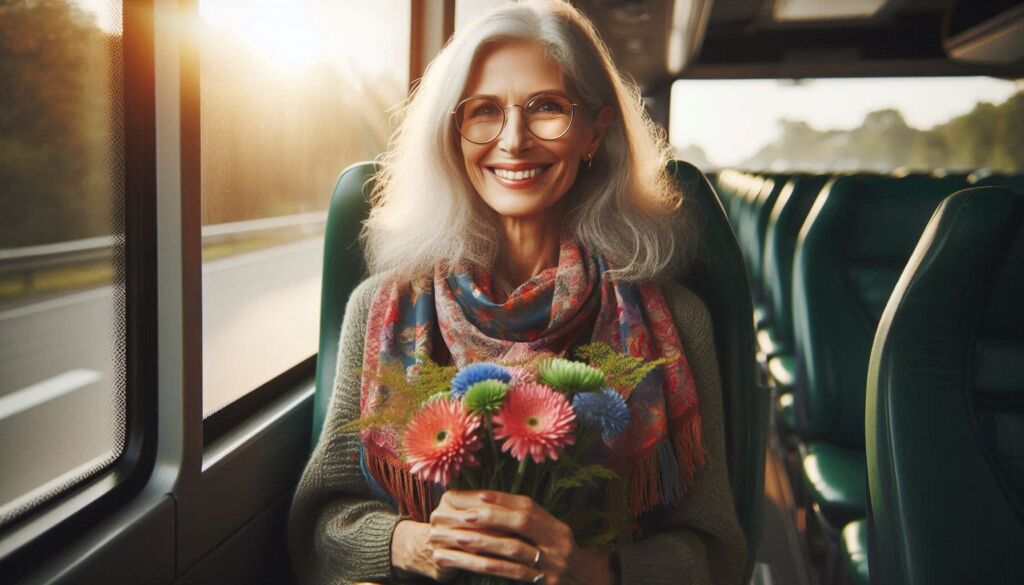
(663, 476)
(414, 496)
(692, 454)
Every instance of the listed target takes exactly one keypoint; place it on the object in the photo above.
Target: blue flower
(604, 409)
(474, 373)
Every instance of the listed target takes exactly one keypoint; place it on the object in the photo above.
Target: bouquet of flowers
(526, 428)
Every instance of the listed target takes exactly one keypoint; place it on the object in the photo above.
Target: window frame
(29, 540)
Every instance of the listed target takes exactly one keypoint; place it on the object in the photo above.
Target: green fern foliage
(622, 371)
(403, 395)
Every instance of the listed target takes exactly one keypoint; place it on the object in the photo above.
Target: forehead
(512, 70)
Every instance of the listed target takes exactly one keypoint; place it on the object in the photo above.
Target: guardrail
(30, 259)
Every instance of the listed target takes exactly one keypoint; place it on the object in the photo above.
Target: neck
(530, 246)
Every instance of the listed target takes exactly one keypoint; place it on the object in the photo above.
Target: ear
(603, 119)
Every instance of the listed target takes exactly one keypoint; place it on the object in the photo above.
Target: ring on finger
(536, 561)
(538, 578)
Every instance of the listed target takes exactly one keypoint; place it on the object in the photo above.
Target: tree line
(272, 142)
(989, 136)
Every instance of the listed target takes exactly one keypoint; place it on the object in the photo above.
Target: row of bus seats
(824, 255)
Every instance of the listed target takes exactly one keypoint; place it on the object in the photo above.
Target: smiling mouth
(518, 175)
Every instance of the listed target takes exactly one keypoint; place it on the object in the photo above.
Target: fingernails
(471, 516)
(465, 539)
(442, 560)
(487, 497)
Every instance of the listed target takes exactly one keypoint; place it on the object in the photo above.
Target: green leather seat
(344, 268)
(717, 276)
(835, 478)
(765, 204)
(748, 195)
(784, 224)
(1013, 182)
(945, 402)
(851, 250)
(732, 187)
(854, 545)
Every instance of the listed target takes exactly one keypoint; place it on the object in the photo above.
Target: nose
(514, 134)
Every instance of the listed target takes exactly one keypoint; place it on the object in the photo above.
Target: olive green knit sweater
(339, 534)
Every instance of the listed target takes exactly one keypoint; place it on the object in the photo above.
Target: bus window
(878, 124)
(62, 269)
(291, 93)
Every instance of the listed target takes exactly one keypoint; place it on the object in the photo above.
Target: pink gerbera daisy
(440, 439)
(536, 421)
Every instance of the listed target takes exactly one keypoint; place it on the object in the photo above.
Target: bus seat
(855, 551)
(765, 204)
(945, 402)
(718, 277)
(747, 228)
(731, 183)
(1014, 183)
(851, 250)
(343, 269)
(784, 223)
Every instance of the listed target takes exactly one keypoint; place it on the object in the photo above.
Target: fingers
(471, 499)
(495, 545)
(490, 510)
(467, 561)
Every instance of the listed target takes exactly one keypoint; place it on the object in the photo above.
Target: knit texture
(340, 534)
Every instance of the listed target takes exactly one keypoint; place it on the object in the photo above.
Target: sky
(732, 119)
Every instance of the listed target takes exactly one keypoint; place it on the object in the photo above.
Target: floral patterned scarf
(456, 319)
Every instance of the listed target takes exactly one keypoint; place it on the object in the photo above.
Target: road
(59, 360)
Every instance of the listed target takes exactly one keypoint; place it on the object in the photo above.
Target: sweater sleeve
(700, 541)
(339, 533)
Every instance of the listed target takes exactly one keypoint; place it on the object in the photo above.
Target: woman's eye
(484, 110)
(549, 107)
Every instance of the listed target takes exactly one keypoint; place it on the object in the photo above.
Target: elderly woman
(524, 208)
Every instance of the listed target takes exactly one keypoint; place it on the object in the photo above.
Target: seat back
(766, 199)
(1013, 182)
(344, 268)
(945, 402)
(851, 250)
(787, 216)
(719, 279)
(717, 276)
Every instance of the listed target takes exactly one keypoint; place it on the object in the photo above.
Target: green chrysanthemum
(486, 396)
(570, 376)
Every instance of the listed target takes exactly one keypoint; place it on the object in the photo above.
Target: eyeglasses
(480, 120)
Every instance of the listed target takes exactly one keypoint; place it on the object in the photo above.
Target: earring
(590, 160)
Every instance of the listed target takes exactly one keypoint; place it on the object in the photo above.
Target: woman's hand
(510, 536)
(412, 554)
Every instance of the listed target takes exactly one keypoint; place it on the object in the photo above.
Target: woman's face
(511, 75)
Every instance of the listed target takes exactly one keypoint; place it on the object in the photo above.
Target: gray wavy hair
(425, 211)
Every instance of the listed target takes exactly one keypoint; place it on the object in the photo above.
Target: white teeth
(518, 175)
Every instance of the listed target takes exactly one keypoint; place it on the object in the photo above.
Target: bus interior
(183, 186)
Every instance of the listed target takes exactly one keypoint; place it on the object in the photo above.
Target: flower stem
(519, 476)
(468, 475)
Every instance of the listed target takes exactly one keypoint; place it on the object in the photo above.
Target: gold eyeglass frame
(504, 117)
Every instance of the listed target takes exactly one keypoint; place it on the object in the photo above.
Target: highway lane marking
(56, 303)
(31, 396)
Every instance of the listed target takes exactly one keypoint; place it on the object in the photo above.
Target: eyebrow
(529, 97)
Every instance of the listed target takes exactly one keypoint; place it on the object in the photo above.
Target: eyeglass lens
(481, 120)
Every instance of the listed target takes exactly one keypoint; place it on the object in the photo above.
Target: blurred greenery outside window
(62, 193)
(879, 124)
(292, 92)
